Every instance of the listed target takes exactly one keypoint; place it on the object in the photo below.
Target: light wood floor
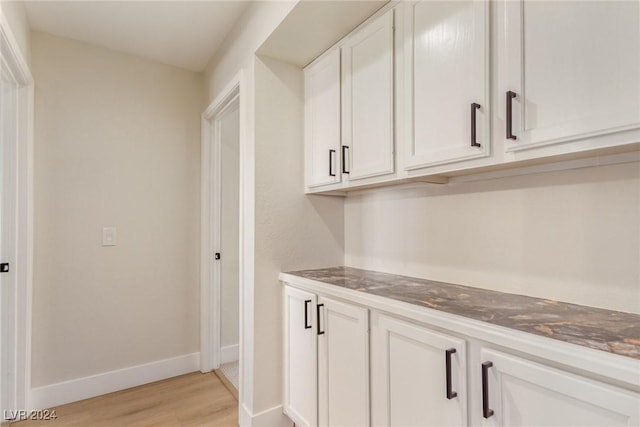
(188, 400)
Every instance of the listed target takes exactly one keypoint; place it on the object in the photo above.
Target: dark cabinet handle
(474, 140)
(510, 96)
(318, 313)
(344, 159)
(306, 314)
(447, 360)
(486, 412)
(331, 154)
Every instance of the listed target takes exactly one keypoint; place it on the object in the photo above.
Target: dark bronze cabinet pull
(510, 96)
(344, 159)
(486, 412)
(447, 360)
(331, 154)
(474, 141)
(306, 314)
(318, 313)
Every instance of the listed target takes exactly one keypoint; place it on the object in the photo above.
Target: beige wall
(16, 17)
(117, 143)
(571, 235)
(247, 35)
(292, 231)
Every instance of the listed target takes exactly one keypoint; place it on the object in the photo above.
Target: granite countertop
(612, 331)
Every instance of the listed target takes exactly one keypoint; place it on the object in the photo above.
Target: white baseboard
(83, 388)
(270, 418)
(229, 353)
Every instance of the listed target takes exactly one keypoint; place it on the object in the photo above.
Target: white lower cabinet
(418, 376)
(343, 364)
(518, 392)
(300, 357)
(409, 373)
(326, 347)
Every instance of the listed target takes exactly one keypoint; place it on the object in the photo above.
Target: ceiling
(181, 33)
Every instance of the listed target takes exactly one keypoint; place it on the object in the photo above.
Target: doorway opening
(220, 348)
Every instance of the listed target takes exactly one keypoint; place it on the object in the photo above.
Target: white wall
(117, 143)
(292, 231)
(571, 235)
(13, 11)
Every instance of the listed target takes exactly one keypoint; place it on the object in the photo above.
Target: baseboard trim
(95, 385)
(270, 418)
(229, 353)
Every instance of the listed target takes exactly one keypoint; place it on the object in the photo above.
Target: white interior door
(227, 132)
(8, 239)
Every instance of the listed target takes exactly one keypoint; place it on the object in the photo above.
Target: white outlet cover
(109, 236)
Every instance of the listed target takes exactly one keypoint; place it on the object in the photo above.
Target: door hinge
(4, 267)
(217, 255)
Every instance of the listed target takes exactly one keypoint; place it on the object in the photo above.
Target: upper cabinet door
(322, 120)
(368, 99)
(573, 68)
(446, 82)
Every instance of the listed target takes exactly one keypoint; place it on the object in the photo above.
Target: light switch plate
(109, 237)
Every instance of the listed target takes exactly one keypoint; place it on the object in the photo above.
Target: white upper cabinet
(521, 393)
(322, 120)
(368, 99)
(573, 70)
(428, 89)
(446, 82)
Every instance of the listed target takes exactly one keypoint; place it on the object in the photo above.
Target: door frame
(210, 332)
(11, 57)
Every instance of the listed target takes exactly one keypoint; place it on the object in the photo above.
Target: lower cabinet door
(418, 376)
(520, 392)
(343, 364)
(300, 357)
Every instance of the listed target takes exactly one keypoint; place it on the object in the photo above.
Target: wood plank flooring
(186, 401)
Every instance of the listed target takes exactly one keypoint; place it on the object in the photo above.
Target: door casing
(210, 333)
(19, 308)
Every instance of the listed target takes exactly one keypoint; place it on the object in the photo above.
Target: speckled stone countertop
(612, 331)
